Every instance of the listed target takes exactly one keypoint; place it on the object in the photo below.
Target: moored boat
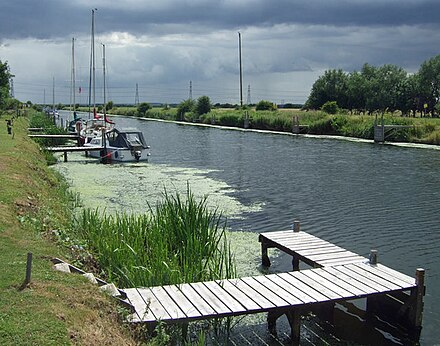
(120, 146)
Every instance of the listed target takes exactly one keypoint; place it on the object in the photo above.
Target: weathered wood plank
(330, 256)
(333, 283)
(139, 305)
(341, 261)
(233, 290)
(153, 304)
(225, 297)
(195, 299)
(278, 290)
(185, 305)
(396, 274)
(327, 282)
(301, 286)
(210, 298)
(321, 250)
(257, 296)
(168, 304)
(374, 285)
(304, 297)
(322, 288)
(272, 297)
(363, 289)
(372, 277)
(384, 276)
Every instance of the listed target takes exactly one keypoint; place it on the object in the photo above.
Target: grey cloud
(52, 18)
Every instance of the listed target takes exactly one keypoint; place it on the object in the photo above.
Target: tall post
(416, 311)
(73, 74)
(103, 71)
(93, 61)
(53, 100)
(241, 69)
(373, 257)
(295, 259)
(28, 268)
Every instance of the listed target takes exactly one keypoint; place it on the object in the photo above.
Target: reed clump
(179, 240)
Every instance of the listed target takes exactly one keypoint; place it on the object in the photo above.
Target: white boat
(120, 146)
(93, 128)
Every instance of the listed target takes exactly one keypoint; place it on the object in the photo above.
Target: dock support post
(295, 259)
(65, 156)
(294, 318)
(416, 310)
(265, 261)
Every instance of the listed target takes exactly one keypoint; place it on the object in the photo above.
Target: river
(355, 194)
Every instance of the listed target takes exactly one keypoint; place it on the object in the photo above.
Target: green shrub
(264, 105)
(330, 107)
(184, 107)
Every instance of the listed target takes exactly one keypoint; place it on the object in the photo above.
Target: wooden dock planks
(310, 249)
(338, 275)
(263, 293)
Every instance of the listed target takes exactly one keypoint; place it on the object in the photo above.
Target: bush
(330, 107)
(203, 105)
(264, 105)
(142, 108)
(184, 107)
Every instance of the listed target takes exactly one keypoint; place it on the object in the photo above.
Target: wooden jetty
(60, 136)
(338, 275)
(65, 150)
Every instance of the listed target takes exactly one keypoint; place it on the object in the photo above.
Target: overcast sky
(164, 44)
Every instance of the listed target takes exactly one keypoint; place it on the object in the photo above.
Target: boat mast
(72, 79)
(92, 65)
(103, 70)
(93, 60)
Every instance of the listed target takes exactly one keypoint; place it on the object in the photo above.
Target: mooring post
(295, 124)
(416, 313)
(28, 268)
(295, 259)
(373, 302)
(246, 120)
(373, 257)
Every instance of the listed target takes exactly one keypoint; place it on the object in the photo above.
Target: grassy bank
(55, 309)
(422, 130)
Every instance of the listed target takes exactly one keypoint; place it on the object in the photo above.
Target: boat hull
(118, 155)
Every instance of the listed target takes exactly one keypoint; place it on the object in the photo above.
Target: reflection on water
(355, 194)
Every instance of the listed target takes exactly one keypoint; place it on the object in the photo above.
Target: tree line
(381, 88)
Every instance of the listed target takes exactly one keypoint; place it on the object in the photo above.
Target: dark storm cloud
(54, 18)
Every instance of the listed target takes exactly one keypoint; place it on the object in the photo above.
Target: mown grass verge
(55, 309)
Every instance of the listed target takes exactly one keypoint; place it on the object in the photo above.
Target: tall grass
(180, 240)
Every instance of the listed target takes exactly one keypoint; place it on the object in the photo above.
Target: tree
(264, 105)
(109, 105)
(332, 86)
(5, 75)
(185, 106)
(429, 74)
(142, 108)
(203, 105)
(383, 87)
